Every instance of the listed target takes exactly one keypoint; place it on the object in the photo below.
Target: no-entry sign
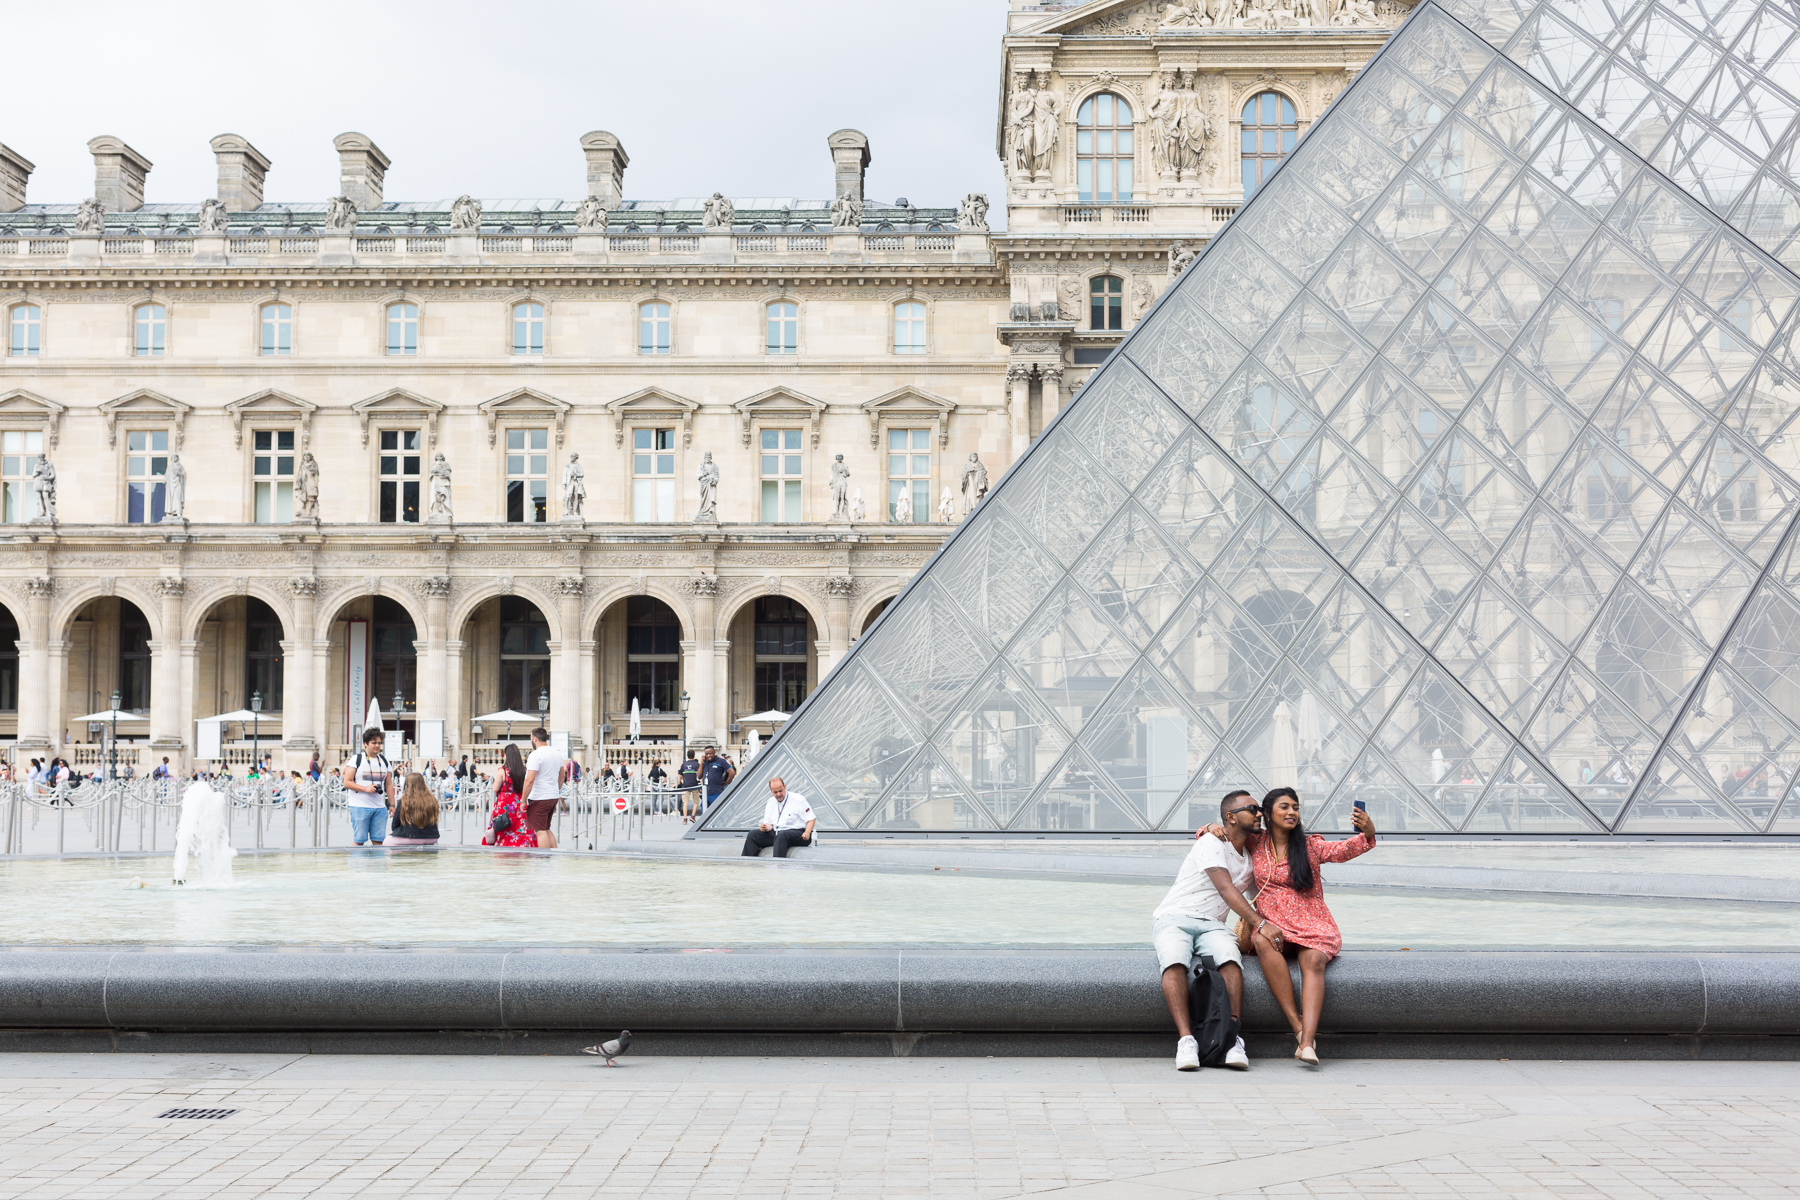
(620, 804)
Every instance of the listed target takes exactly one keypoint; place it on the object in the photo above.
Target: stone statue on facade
(465, 215)
(1164, 117)
(972, 214)
(709, 490)
(846, 213)
(439, 511)
(174, 490)
(859, 508)
(1046, 122)
(1179, 257)
(1019, 107)
(590, 215)
(947, 506)
(718, 213)
(903, 511)
(1184, 14)
(1143, 295)
(1355, 12)
(840, 490)
(1196, 129)
(90, 217)
(574, 488)
(340, 214)
(306, 488)
(43, 482)
(212, 216)
(1070, 300)
(974, 483)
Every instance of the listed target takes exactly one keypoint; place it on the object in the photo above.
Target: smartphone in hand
(1361, 805)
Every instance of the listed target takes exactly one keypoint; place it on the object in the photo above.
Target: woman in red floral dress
(1290, 894)
(507, 804)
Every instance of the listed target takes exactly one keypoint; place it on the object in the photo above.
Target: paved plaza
(88, 1126)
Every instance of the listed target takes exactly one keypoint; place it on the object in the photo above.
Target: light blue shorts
(368, 825)
(1180, 940)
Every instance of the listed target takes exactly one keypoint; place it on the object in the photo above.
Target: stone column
(190, 686)
(1018, 383)
(456, 717)
(34, 678)
(434, 683)
(590, 721)
(166, 734)
(721, 693)
(297, 729)
(1052, 376)
(838, 592)
(700, 675)
(58, 707)
(565, 670)
(323, 733)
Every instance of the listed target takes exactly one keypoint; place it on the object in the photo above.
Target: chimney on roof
(850, 155)
(242, 169)
(15, 172)
(606, 162)
(119, 174)
(362, 168)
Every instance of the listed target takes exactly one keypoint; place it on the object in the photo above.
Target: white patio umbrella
(373, 720)
(243, 715)
(637, 722)
(507, 717)
(1308, 736)
(773, 716)
(116, 714)
(1284, 770)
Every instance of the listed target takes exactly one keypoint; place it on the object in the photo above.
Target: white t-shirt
(369, 771)
(794, 814)
(548, 764)
(1194, 894)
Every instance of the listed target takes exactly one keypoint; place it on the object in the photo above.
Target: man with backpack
(1189, 929)
(370, 784)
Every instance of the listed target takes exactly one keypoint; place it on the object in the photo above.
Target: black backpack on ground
(1209, 1011)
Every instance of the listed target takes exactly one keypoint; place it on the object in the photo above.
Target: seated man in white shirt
(787, 821)
(1190, 923)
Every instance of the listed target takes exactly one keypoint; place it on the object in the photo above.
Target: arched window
(784, 328)
(1103, 150)
(652, 655)
(1106, 302)
(277, 329)
(26, 323)
(528, 329)
(653, 328)
(524, 654)
(262, 654)
(403, 329)
(783, 630)
(134, 658)
(394, 658)
(152, 322)
(1270, 129)
(9, 662)
(909, 328)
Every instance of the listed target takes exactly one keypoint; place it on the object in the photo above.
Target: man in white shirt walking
(788, 820)
(543, 787)
(1190, 923)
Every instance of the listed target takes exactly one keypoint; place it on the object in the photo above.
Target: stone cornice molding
(525, 401)
(272, 403)
(144, 401)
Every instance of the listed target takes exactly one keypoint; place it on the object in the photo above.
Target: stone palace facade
(558, 456)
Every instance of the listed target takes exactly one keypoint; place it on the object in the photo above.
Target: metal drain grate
(195, 1114)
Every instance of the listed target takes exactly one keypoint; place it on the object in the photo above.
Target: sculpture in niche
(574, 488)
(1196, 129)
(89, 217)
(1164, 119)
(174, 490)
(709, 490)
(340, 214)
(903, 511)
(972, 214)
(212, 216)
(1046, 122)
(974, 483)
(1142, 297)
(439, 511)
(1033, 120)
(846, 212)
(840, 490)
(590, 215)
(465, 214)
(43, 482)
(859, 508)
(1071, 299)
(1179, 257)
(947, 506)
(718, 213)
(1018, 124)
(306, 488)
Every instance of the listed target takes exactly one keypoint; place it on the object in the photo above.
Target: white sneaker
(1187, 1055)
(1236, 1059)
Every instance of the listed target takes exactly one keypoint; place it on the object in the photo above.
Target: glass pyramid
(1460, 476)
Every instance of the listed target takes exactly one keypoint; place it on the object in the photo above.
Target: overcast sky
(706, 95)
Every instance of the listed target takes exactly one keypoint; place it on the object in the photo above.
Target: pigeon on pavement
(613, 1049)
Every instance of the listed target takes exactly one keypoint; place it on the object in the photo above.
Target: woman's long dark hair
(1299, 858)
(515, 768)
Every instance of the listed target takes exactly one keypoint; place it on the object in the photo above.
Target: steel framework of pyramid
(1457, 476)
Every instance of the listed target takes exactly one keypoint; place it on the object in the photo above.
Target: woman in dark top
(416, 815)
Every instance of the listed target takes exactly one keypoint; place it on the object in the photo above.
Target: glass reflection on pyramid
(1459, 476)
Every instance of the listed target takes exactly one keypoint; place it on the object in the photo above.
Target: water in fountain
(205, 833)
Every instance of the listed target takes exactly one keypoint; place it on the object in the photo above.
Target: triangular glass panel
(1126, 424)
(1760, 213)
(928, 795)
(1698, 578)
(1661, 224)
(856, 749)
(1199, 804)
(925, 655)
(1147, 742)
(1735, 282)
(1589, 169)
(1002, 742)
(1214, 655)
(1336, 493)
(1390, 422)
(1602, 493)
(1788, 819)
(1443, 743)
(1195, 494)
(1415, 572)
(1764, 648)
(1134, 574)
(1297, 227)
(1079, 797)
(1639, 652)
(1311, 352)
(1732, 736)
(1590, 738)
(1356, 656)
(1468, 496)
(1523, 798)
(1071, 655)
(742, 807)
(1707, 163)
(1263, 424)
(1505, 660)
(1393, 805)
(1278, 573)
(1185, 351)
(1242, 290)
(1345, 166)
(1367, 287)
(994, 575)
(1522, 423)
(1558, 580)
(1442, 55)
(1061, 496)
(1305, 743)
(1741, 499)
(1672, 800)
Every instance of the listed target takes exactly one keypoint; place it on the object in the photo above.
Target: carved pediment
(1103, 16)
(271, 403)
(780, 403)
(909, 403)
(20, 406)
(526, 404)
(398, 402)
(654, 401)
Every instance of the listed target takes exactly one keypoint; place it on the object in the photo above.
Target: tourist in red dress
(1290, 894)
(508, 804)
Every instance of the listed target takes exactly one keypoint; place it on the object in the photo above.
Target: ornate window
(1106, 302)
(653, 474)
(1271, 127)
(151, 325)
(392, 655)
(400, 471)
(781, 475)
(653, 328)
(9, 662)
(528, 329)
(524, 654)
(26, 331)
(277, 330)
(18, 469)
(652, 655)
(146, 466)
(909, 328)
(272, 476)
(134, 658)
(262, 654)
(527, 476)
(784, 328)
(782, 629)
(403, 329)
(1103, 150)
(909, 472)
